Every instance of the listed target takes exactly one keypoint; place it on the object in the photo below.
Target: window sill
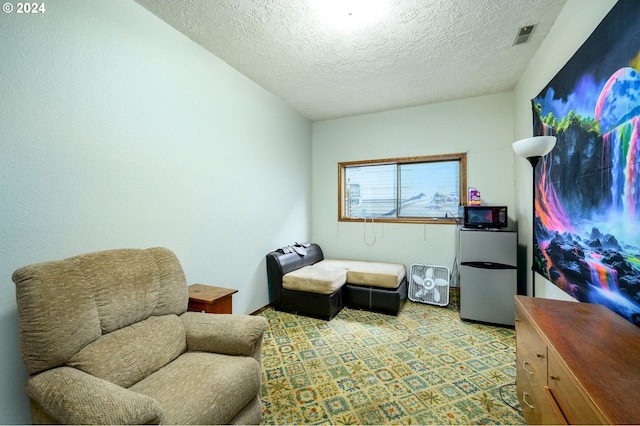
(421, 220)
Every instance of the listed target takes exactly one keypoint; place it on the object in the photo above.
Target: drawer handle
(540, 355)
(524, 367)
(552, 377)
(524, 399)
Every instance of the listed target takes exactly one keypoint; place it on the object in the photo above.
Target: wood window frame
(461, 157)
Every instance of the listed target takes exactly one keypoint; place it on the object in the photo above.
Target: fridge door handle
(488, 265)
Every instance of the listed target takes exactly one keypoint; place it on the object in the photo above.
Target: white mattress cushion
(315, 279)
(374, 274)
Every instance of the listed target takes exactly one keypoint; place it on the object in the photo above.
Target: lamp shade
(537, 146)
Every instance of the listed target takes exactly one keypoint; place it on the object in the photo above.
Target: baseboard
(261, 309)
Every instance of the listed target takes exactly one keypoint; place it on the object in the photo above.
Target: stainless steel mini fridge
(487, 262)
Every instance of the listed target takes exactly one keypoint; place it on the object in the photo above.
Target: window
(407, 190)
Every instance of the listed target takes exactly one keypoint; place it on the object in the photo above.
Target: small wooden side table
(210, 299)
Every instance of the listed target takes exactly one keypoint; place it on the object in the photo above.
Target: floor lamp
(533, 149)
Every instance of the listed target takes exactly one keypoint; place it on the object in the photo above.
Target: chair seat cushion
(373, 274)
(129, 354)
(315, 279)
(202, 387)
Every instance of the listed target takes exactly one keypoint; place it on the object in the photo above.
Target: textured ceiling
(417, 52)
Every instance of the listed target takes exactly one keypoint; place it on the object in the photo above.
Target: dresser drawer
(536, 402)
(531, 351)
(551, 413)
(575, 405)
(528, 397)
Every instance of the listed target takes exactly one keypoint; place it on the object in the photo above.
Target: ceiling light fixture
(349, 15)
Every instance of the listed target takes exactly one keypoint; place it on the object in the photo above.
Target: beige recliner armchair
(106, 339)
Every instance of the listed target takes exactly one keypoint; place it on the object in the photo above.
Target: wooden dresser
(577, 363)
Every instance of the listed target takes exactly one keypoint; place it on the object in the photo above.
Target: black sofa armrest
(279, 263)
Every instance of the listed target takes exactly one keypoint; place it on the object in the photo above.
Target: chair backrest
(280, 263)
(65, 305)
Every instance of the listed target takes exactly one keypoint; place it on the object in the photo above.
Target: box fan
(429, 284)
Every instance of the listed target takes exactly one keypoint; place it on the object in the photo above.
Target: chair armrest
(224, 333)
(72, 396)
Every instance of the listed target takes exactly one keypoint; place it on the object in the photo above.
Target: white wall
(117, 131)
(480, 126)
(574, 25)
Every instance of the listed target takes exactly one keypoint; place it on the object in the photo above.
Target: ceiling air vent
(523, 34)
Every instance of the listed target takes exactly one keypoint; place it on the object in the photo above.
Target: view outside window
(430, 189)
(403, 190)
(371, 190)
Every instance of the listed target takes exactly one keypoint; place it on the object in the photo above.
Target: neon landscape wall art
(587, 190)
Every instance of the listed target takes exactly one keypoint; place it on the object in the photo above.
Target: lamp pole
(533, 149)
(534, 163)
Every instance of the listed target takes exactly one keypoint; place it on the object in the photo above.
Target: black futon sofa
(355, 294)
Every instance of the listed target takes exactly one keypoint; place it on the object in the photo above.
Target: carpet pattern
(425, 366)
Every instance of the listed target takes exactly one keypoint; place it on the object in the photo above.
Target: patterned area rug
(425, 366)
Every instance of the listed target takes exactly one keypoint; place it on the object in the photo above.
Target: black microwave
(485, 217)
